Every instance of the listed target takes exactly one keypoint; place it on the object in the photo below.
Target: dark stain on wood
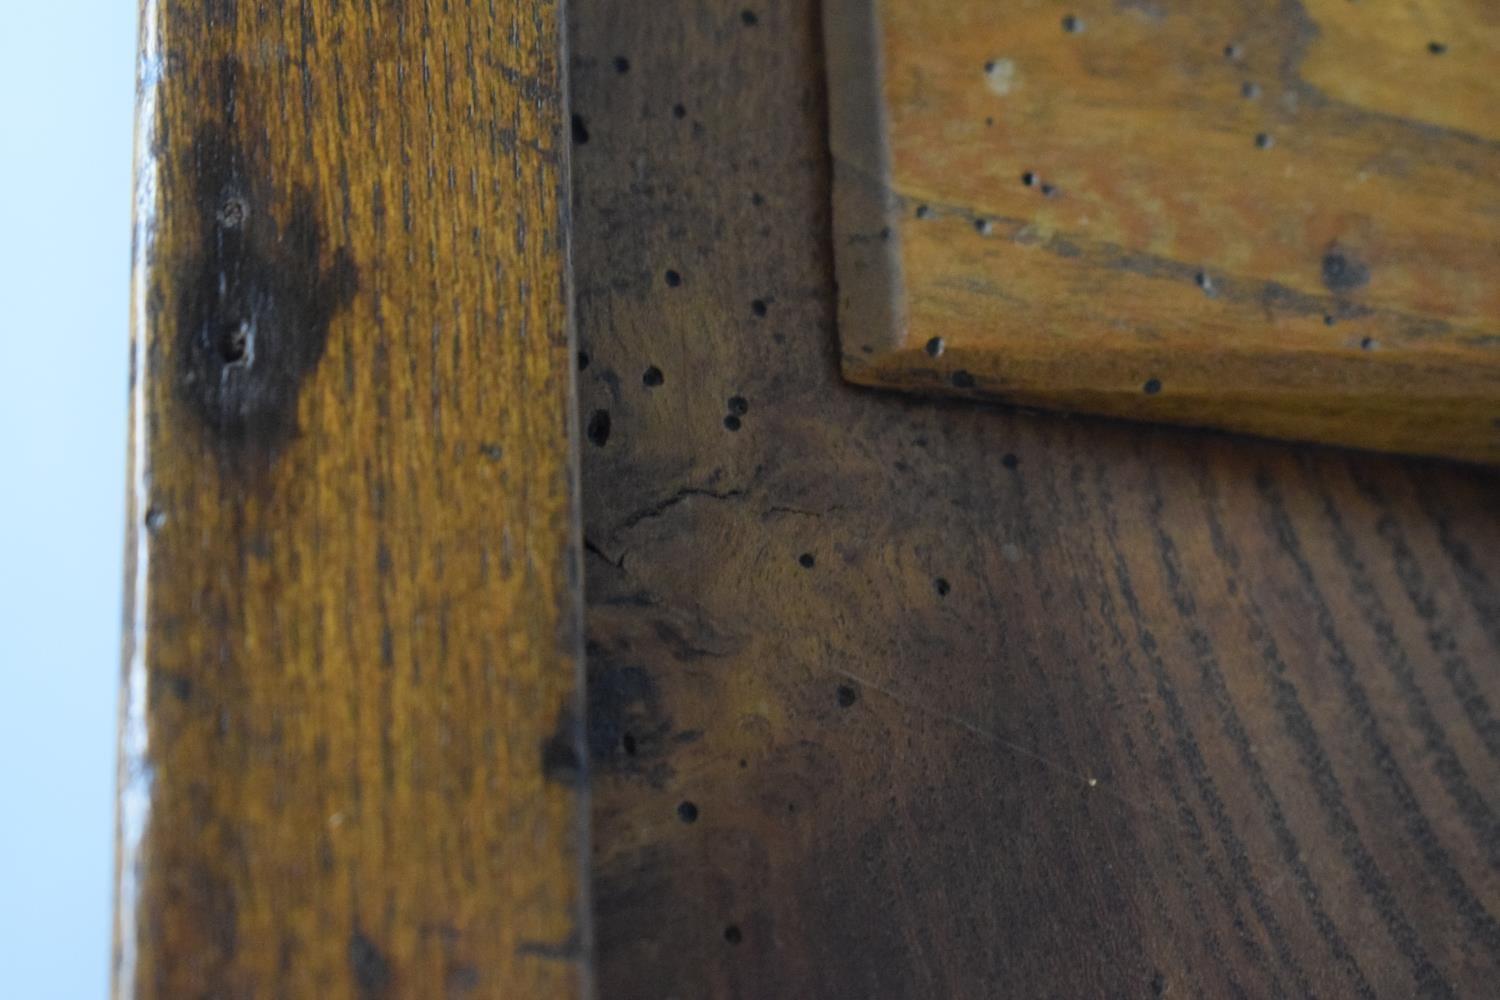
(371, 972)
(561, 759)
(257, 296)
(1341, 272)
(628, 732)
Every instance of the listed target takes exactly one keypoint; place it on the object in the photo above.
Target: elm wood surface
(908, 698)
(1278, 218)
(352, 724)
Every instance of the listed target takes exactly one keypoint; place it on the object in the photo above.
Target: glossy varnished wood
(906, 698)
(1276, 218)
(352, 717)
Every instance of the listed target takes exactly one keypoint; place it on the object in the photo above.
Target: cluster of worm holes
(1249, 89)
(599, 425)
(962, 379)
(598, 430)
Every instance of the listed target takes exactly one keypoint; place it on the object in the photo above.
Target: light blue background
(67, 83)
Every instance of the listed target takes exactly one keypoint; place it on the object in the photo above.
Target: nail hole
(934, 347)
(232, 213)
(1010, 461)
(1369, 343)
(583, 360)
(235, 343)
(1249, 90)
(622, 65)
(807, 560)
(652, 377)
(942, 586)
(155, 519)
(1030, 179)
(749, 18)
(739, 406)
(628, 741)
(732, 422)
(923, 212)
(1437, 48)
(580, 130)
(732, 934)
(598, 429)
(1204, 282)
(678, 111)
(1048, 190)
(1152, 386)
(1328, 319)
(1072, 25)
(983, 227)
(848, 695)
(1264, 141)
(1232, 51)
(758, 307)
(687, 812)
(673, 279)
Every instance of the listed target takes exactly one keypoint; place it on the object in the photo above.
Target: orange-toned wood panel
(1281, 219)
(351, 733)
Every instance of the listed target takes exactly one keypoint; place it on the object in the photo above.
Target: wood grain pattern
(352, 723)
(894, 697)
(1279, 218)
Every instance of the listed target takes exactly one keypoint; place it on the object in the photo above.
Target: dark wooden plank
(1051, 707)
(1199, 212)
(352, 718)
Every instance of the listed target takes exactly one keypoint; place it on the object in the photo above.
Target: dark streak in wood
(258, 296)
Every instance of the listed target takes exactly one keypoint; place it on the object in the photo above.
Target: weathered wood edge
(133, 789)
(866, 211)
(869, 214)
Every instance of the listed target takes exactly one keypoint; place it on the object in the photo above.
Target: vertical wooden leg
(352, 762)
